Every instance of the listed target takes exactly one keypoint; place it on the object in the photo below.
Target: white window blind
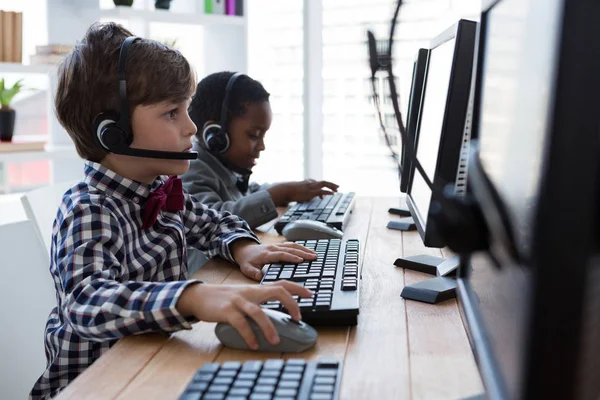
(275, 40)
(354, 151)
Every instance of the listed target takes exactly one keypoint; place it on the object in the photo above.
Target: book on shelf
(19, 144)
(11, 36)
(214, 6)
(53, 49)
(224, 7)
(36, 59)
(50, 53)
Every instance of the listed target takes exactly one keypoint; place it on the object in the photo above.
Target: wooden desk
(399, 349)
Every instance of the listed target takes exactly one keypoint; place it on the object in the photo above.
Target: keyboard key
(273, 364)
(243, 383)
(239, 392)
(223, 381)
(294, 368)
(266, 381)
(295, 376)
(323, 388)
(271, 306)
(260, 396)
(191, 396)
(224, 373)
(209, 368)
(204, 377)
(218, 388)
(328, 364)
(272, 373)
(285, 275)
(247, 375)
(214, 396)
(286, 392)
(252, 366)
(263, 389)
(296, 362)
(321, 396)
(325, 372)
(289, 384)
(349, 286)
(324, 380)
(197, 386)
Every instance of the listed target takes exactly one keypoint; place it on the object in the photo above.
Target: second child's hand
(284, 193)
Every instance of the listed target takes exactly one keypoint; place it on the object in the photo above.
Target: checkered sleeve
(212, 231)
(100, 303)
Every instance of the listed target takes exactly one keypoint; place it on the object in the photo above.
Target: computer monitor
(441, 133)
(532, 301)
(413, 111)
(441, 122)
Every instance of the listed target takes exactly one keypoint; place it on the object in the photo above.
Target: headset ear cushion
(106, 131)
(215, 140)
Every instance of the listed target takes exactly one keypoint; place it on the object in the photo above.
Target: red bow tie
(168, 197)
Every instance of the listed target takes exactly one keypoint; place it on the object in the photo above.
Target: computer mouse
(294, 336)
(305, 229)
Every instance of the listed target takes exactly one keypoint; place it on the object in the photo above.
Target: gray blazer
(214, 185)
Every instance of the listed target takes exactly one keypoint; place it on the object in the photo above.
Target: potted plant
(162, 4)
(127, 3)
(7, 114)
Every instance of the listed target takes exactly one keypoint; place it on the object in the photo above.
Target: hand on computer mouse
(283, 193)
(251, 257)
(232, 303)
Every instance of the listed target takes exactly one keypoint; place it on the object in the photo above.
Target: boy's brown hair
(88, 81)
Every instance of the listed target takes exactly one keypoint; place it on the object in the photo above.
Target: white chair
(27, 296)
(11, 208)
(41, 206)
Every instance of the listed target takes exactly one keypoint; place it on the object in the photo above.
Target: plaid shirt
(114, 278)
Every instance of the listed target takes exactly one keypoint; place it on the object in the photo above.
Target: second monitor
(441, 137)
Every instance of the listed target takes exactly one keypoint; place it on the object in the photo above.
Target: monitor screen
(516, 71)
(431, 121)
(517, 67)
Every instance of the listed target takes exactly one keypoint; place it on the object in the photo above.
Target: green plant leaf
(6, 95)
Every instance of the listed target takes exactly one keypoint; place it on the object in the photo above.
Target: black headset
(113, 130)
(215, 136)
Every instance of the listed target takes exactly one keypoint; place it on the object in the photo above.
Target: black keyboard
(334, 210)
(333, 277)
(273, 379)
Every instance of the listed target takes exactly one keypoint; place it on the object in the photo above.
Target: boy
(118, 253)
(220, 179)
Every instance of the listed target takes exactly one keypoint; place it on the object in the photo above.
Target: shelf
(50, 153)
(166, 16)
(15, 68)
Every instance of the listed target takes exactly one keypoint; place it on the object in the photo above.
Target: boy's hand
(233, 303)
(251, 256)
(283, 193)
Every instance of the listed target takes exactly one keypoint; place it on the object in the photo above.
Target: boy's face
(165, 127)
(247, 134)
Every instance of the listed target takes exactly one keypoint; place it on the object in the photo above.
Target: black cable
(395, 155)
(409, 147)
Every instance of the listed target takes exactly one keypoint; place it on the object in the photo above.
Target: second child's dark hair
(88, 81)
(207, 102)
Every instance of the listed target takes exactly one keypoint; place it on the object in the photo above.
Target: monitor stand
(431, 265)
(400, 211)
(402, 224)
(431, 290)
